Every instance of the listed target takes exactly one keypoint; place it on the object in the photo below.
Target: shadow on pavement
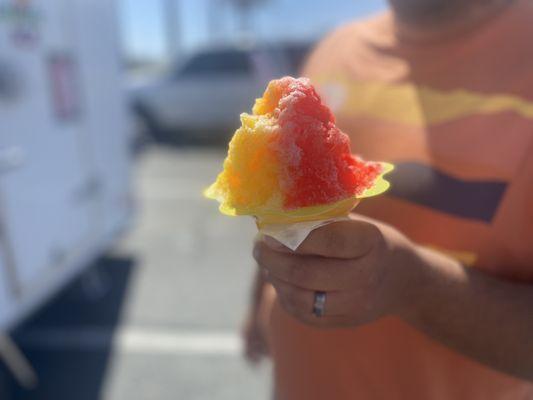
(59, 340)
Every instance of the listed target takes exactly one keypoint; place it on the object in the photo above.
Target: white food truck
(65, 191)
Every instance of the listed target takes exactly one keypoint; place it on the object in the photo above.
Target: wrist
(411, 293)
(430, 285)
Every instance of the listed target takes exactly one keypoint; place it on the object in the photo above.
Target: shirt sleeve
(325, 54)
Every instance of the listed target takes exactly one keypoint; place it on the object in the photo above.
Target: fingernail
(273, 243)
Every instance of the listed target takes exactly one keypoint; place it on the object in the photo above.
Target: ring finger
(301, 302)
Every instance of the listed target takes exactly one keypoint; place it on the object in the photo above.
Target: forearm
(258, 286)
(485, 318)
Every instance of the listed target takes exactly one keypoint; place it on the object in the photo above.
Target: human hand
(254, 338)
(367, 270)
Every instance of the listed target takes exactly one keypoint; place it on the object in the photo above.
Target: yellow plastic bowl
(313, 213)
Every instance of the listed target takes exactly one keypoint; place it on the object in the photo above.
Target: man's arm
(369, 270)
(253, 334)
(483, 317)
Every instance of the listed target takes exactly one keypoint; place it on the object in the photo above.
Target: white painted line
(138, 341)
(174, 342)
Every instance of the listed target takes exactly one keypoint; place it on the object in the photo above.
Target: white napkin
(293, 235)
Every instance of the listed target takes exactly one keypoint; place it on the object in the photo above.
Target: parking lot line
(135, 340)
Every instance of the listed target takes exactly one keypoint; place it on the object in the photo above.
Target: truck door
(6, 289)
(105, 112)
(45, 179)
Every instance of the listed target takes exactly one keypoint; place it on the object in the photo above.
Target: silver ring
(319, 306)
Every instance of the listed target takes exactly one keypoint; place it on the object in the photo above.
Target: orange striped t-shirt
(456, 118)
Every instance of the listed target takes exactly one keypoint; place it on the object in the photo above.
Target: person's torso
(456, 119)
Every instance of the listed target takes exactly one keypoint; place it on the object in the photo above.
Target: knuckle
(335, 271)
(345, 275)
(299, 301)
(372, 239)
(290, 299)
(336, 241)
(294, 299)
(375, 234)
(258, 252)
(292, 302)
(296, 271)
(289, 306)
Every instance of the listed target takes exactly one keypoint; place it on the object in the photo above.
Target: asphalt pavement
(158, 317)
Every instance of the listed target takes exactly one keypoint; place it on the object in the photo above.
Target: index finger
(308, 272)
(344, 239)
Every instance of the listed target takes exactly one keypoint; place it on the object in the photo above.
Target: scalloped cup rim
(312, 213)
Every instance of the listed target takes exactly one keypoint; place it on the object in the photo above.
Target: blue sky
(143, 33)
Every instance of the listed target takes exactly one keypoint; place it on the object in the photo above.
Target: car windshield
(217, 62)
